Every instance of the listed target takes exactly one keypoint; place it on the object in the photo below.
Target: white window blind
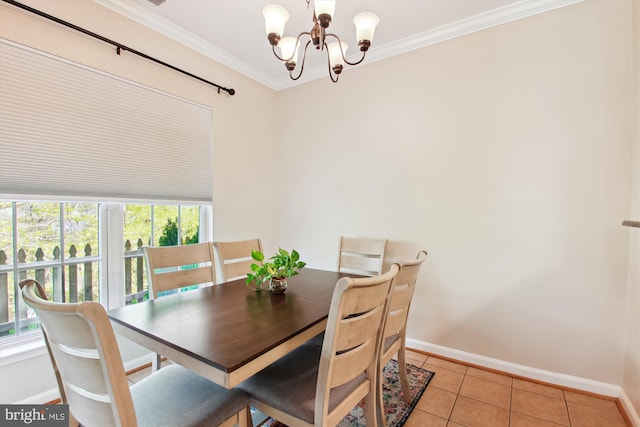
(69, 130)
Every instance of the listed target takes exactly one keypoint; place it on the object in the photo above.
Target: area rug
(396, 409)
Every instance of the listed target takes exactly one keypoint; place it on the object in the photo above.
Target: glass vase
(278, 286)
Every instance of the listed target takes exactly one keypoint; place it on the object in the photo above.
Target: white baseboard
(555, 378)
(40, 398)
(562, 380)
(629, 409)
(137, 362)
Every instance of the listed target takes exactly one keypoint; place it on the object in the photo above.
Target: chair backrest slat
(362, 256)
(234, 258)
(175, 267)
(237, 269)
(355, 360)
(182, 278)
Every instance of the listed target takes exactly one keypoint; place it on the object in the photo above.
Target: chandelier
(276, 16)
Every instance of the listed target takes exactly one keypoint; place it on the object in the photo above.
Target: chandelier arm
(331, 73)
(304, 57)
(273, 47)
(342, 51)
(357, 62)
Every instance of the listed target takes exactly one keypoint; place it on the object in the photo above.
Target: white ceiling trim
(483, 21)
(140, 12)
(459, 28)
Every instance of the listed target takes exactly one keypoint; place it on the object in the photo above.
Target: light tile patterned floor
(461, 395)
(465, 396)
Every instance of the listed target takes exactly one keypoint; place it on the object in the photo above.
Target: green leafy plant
(280, 266)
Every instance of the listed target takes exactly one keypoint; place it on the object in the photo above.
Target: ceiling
(232, 31)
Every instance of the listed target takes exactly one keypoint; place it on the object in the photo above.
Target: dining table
(228, 332)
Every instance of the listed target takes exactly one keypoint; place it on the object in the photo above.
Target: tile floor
(460, 395)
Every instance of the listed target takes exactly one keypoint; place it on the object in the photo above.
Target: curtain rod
(120, 47)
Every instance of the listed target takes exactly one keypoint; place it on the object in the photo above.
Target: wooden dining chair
(176, 267)
(85, 350)
(395, 325)
(38, 289)
(235, 257)
(361, 256)
(318, 386)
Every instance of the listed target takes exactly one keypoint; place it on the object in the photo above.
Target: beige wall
(631, 378)
(243, 128)
(506, 155)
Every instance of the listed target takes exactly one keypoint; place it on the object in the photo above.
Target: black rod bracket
(119, 46)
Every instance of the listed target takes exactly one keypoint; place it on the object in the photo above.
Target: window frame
(111, 269)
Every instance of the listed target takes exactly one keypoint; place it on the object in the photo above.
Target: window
(84, 251)
(155, 225)
(130, 142)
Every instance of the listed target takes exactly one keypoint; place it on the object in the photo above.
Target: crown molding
(503, 15)
(143, 14)
(483, 21)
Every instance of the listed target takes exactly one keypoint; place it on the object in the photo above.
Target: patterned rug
(395, 407)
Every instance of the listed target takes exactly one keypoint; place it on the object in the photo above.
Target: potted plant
(275, 271)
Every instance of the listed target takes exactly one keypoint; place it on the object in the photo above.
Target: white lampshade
(324, 7)
(275, 17)
(289, 49)
(335, 56)
(365, 25)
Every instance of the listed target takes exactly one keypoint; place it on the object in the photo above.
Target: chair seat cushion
(289, 384)
(317, 340)
(174, 396)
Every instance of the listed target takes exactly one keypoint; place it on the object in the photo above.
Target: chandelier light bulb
(335, 54)
(289, 51)
(365, 23)
(275, 17)
(324, 10)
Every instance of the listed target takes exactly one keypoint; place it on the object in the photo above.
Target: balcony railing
(71, 279)
(134, 274)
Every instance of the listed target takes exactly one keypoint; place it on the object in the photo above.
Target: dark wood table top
(228, 332)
